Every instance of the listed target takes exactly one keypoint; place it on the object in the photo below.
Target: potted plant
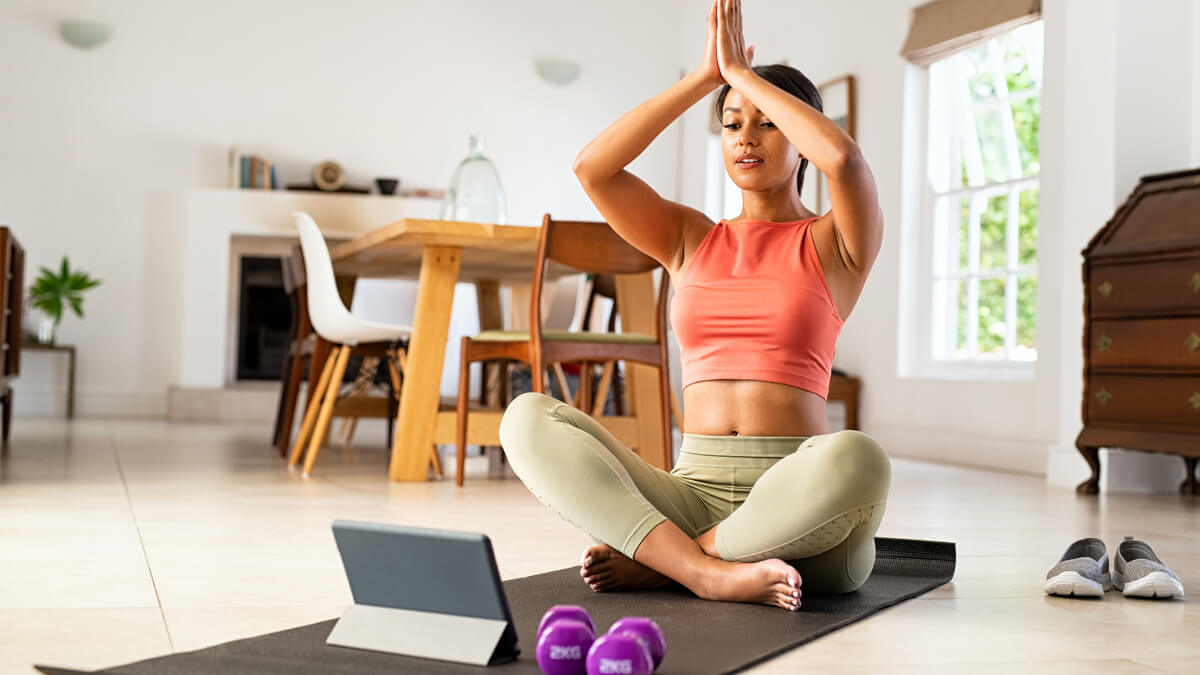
(53, 292)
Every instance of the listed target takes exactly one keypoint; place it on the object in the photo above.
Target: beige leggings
(813, 501)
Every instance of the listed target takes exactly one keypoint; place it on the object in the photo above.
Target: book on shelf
(251, 172)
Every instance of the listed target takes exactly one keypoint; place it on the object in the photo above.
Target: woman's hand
(733, 56)
(709, 70)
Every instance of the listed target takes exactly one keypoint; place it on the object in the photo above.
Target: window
(982, 200)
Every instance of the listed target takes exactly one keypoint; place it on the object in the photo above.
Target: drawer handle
(1192, 342)
(1106, 288)
(1104, 342)
(1195, 401)
(1104, 396)
(1196, 282)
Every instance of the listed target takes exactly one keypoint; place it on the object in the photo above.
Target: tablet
(425, 570)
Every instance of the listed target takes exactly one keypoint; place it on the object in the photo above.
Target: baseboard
(92, 404)
(250, 404)
(940, 445)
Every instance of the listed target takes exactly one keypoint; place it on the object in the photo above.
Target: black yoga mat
(702, 636)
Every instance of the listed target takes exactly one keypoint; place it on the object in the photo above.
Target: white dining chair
(345, 332)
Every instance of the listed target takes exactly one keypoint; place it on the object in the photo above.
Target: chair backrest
(325, 308)
(295, 268)
(591, 246)
(296, 286)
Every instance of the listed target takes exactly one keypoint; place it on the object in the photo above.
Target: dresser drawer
(1147, 401)
(1161, 287)
(1167, 344)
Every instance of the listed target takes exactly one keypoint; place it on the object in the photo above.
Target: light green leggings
(813, 501)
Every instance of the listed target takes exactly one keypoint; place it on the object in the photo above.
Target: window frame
(933, 330)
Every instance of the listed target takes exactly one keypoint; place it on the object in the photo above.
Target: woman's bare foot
(768, 582)
(604, 568)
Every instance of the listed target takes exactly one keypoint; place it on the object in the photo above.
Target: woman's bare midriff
(752, 408)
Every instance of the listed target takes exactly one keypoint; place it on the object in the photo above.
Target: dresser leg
(1090, 486)
(1190, 486)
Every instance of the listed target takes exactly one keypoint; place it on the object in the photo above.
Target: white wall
(98, 146)
(1195, 84)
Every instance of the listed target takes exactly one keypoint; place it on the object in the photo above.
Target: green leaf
(51, 292)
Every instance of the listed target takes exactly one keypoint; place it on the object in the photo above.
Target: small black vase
(387, 186)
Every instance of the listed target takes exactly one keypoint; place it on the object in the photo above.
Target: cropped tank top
(753, 304)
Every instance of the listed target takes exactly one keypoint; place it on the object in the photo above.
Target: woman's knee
(524, 421)
(860, 458)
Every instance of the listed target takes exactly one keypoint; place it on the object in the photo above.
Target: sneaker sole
(1154, 585)
(1074, 584)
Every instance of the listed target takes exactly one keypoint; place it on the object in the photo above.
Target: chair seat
(564, 336)
(351, 330)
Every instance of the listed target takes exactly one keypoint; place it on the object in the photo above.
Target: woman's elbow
(579, 166)
(846, 162)
(584, 170)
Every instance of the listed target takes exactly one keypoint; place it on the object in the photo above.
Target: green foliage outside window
(990, 131)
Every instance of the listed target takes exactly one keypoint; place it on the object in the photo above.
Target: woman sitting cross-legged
(764, 504)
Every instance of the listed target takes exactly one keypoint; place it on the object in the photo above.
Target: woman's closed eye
(734, 126)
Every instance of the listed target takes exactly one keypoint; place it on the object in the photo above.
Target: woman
(759, 303)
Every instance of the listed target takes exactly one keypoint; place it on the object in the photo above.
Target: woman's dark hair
(793, 82)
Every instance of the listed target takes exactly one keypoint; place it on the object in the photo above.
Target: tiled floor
(125, 540)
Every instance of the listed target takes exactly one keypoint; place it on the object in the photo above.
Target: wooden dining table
(439, 254)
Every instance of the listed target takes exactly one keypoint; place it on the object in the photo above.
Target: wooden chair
(588, 247)
(301, 343)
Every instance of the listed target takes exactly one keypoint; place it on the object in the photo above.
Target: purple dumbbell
(565, 612)
(619, 655)
(646, 631)
(563, 647)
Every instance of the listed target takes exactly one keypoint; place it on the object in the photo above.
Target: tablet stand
(429, 635)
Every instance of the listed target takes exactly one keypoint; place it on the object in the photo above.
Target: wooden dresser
(12, 292)
(1141, 336)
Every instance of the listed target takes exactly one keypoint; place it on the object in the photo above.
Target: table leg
(417, 416)
(635, 300)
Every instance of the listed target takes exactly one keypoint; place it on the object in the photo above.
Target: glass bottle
(474, 194)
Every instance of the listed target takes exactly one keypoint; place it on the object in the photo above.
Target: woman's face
(757, 154)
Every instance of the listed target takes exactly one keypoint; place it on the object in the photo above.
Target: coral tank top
(753, 304)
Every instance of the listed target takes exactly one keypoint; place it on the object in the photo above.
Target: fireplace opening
(264, 319)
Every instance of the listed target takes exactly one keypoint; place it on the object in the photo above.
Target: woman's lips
(748, 162)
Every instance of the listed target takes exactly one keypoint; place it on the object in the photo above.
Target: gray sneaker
(1082, 571)
(1140, 573)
